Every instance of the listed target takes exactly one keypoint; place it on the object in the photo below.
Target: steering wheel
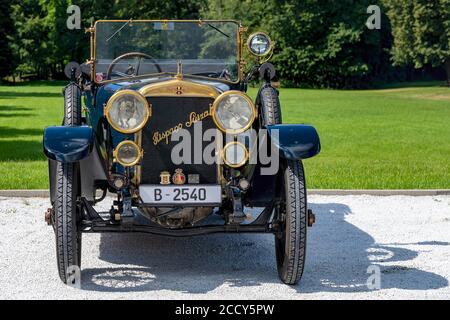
(131, 71)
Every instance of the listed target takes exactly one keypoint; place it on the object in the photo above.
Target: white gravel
(408, 238)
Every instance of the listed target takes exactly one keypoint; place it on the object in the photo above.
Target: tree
(318, 43)
(421, 31)
(43, 44)
(30, 41)
(6, 55)
(65, 44)
(156, 9)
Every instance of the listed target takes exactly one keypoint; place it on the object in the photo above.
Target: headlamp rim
(119, 94)
(240, 164)
(220, 98)
(126, 164)
(249, 48)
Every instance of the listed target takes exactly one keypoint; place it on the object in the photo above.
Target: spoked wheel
(290, 238)
(66, 211)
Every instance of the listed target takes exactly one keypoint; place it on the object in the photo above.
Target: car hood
(107, 90)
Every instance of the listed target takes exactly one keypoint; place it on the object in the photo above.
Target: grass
(376, 139)
(24, 112)
(394, 138)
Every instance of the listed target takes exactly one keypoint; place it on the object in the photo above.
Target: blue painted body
(68, 143)
(295, 141)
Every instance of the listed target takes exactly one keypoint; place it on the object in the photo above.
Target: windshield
(204, 48)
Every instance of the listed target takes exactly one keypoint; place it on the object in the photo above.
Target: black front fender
(68, 143)
(295, 141)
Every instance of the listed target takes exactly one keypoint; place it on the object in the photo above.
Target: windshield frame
(239, 58)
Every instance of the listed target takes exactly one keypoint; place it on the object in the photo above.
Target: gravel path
(406, 238)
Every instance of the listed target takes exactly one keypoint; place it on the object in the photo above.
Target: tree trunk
(447, 70)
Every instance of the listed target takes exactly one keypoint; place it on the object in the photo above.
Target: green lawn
(24, 112)
(396, 138)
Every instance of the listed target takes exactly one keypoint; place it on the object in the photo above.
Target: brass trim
(127, 142)
(138, 168)
(225, 159)
(179, 75)
(91, 31)
(117, 95)
(178, 88)
(172, 74)
(241, 62)
(268, 38)
(199, 21)
(250, 102)
(239, 35)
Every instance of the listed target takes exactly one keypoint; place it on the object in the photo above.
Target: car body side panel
(263, 189)
(93, 174)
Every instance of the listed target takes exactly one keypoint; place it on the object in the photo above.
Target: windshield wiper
(217, 29)
(118, 30)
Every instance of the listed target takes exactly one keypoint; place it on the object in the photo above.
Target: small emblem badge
(165, 177)
(194, 178)
(179, 90)
(179, 177)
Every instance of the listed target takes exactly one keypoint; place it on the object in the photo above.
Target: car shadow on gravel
(342, 257)
(339, 255)
(187, 265)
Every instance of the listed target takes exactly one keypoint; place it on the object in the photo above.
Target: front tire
(68, 235)
(290, 238)
(66, 209)
(269, 103)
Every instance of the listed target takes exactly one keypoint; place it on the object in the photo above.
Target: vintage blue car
(159, 118)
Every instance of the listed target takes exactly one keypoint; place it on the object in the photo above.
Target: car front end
(168, 130)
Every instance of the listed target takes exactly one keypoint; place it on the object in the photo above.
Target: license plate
(181, 195)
